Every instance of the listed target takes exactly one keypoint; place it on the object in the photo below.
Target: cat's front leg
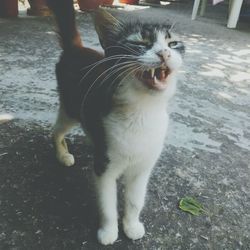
(135, 190)
(107, 199)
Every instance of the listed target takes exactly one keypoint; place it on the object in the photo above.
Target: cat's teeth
(152, 72)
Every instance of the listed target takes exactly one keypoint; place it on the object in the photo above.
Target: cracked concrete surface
(43, 205)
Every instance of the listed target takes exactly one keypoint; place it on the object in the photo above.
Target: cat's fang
(160, 85)
(152, 72)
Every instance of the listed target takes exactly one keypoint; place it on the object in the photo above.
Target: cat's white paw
(134, 230)
(107, 235)
(66, 159)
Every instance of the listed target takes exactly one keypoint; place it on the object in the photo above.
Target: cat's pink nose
(164, 55)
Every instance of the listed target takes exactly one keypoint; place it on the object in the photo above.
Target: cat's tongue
(156, 78)
(160, 74)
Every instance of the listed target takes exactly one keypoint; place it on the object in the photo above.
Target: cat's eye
(175, 45)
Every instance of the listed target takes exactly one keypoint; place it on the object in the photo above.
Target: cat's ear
(106, 27)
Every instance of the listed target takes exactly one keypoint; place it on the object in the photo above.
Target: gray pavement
(207, 153)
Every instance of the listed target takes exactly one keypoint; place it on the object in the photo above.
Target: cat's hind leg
(63, 124)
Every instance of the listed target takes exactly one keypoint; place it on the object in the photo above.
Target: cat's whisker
(118, 61)
(128, 61)
(134, 51)
(109, 75)
(120, 66)
(147, 62)
(113, 83)
(87, 73)
(117, 70)
(91, 86)
(137, 67)
(114, 70)
(118, 76)
(141, 69)
(123, 73)
(127, 75)
(107, 59)
(110, 58)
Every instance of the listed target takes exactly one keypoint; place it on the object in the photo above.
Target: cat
(120, 98)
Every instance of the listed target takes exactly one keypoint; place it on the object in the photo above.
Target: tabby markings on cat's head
(151, 52)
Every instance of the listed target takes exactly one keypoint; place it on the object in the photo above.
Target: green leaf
(190, 205)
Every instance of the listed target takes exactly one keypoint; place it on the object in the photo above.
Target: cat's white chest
(137, 132)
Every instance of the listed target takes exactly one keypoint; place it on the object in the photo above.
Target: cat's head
(148, 51)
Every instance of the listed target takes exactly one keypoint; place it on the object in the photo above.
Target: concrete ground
(207, 153)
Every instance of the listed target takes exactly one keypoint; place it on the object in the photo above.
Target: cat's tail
(65, 17)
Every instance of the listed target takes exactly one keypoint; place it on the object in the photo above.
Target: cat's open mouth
(155, 78)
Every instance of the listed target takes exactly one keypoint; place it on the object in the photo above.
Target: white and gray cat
(120, 98)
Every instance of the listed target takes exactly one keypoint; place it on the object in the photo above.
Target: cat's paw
(107, 235)
(134, 230)
(66, 159)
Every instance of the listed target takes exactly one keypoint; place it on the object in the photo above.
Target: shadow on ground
(42, 202)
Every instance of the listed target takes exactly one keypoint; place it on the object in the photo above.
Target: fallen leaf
(190, 205)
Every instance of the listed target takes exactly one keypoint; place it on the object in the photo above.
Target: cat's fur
(120, 107)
